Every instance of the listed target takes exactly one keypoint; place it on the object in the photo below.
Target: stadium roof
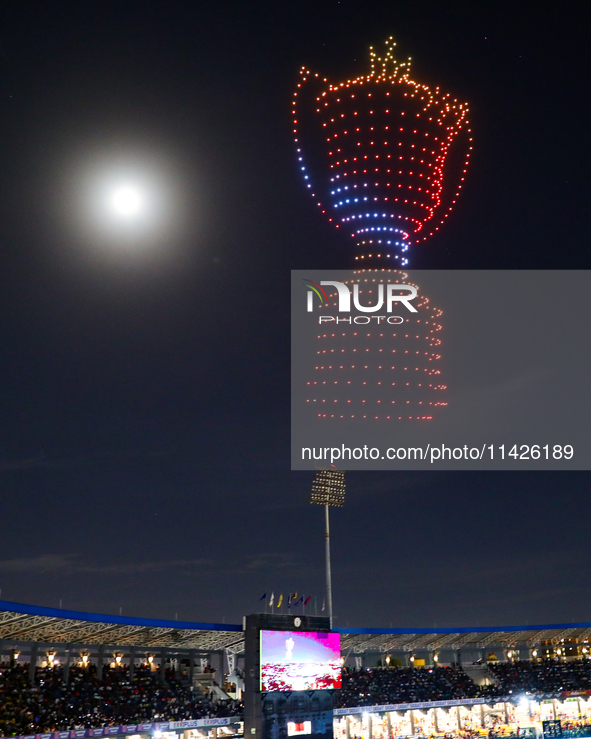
(431, 640)
(19, 622)
(25, 623)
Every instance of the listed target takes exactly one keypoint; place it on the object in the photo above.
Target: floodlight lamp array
(328, 488)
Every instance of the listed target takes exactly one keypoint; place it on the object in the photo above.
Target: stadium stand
(58, 673)
(49, 704)
(406, 685)
(546, 677)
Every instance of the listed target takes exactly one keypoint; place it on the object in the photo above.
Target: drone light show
(378, 371)
(383, 156)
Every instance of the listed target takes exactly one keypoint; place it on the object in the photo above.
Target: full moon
(134, 204)
(126, 201)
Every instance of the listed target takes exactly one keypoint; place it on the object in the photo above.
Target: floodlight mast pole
(328, 489)
(328, 572)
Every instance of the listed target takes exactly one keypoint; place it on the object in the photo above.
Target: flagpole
(328, 573)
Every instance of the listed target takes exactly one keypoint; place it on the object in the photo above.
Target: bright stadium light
(328, 489)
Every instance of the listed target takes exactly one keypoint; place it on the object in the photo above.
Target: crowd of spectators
(87, 702)
(547, 677)
(380, 686)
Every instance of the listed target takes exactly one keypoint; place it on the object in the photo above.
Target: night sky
(144, 376)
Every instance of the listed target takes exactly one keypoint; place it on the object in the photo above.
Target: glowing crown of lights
(397, 150)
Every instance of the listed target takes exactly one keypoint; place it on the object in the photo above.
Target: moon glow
(127, 201)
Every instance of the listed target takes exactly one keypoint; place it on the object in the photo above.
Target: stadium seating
(406, 685)
(87, 702)
(544, 677)
(379, 686)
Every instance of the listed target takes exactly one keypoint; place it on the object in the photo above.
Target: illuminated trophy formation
(383, 156)
(375, 369)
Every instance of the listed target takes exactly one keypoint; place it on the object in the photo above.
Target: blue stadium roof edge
(27, 609)
(105, 618)
(466, 629)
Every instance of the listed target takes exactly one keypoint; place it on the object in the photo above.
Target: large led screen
(300, 660)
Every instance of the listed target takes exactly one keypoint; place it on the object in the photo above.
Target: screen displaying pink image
(300, 660)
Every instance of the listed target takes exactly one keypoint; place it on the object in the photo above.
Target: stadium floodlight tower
(328, 489)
